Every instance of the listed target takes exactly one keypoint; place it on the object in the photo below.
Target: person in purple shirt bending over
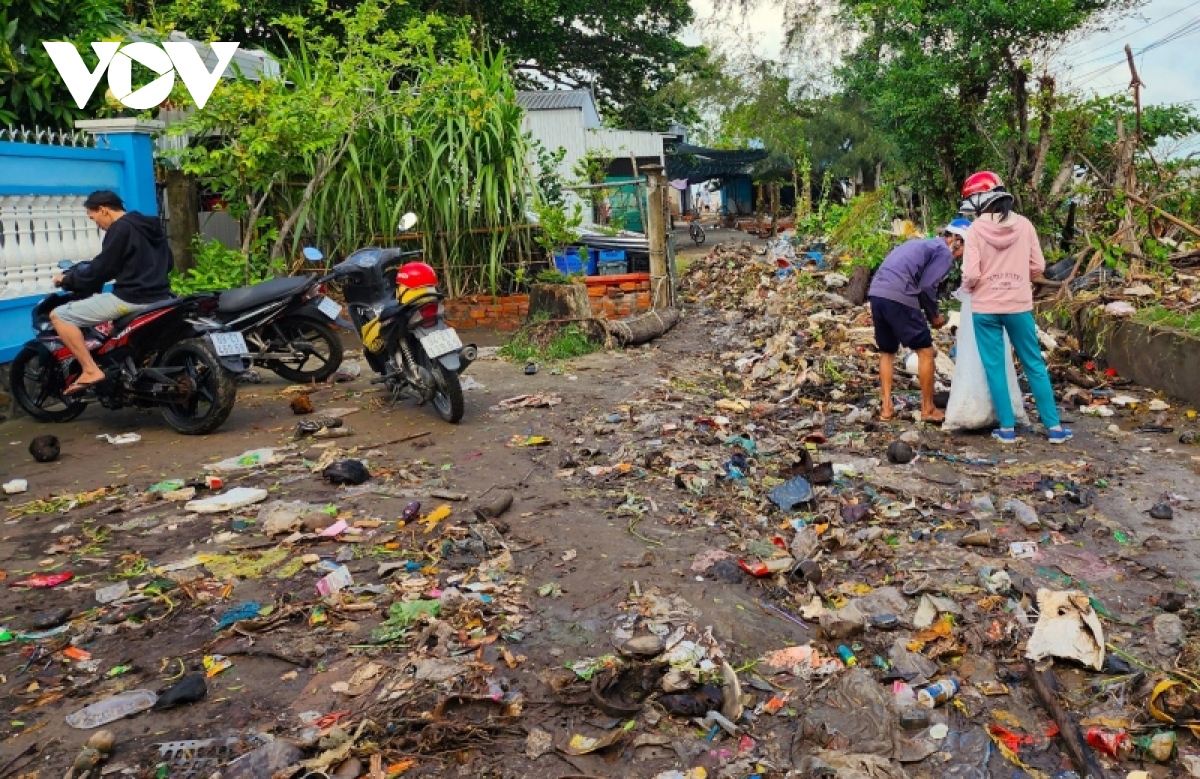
(903, 295)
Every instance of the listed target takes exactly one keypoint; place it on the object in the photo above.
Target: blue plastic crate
(571, 263)
(616, 255)
(612, 268)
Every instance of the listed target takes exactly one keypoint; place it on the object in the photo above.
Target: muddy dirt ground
(563, 528)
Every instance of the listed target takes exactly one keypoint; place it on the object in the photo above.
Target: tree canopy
(31, 92)
(625, 50)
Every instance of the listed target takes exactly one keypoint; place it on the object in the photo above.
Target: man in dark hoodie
(135, 256)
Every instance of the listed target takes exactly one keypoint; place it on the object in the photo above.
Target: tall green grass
(452, 152)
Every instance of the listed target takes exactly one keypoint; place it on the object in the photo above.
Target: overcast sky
(1170, 72)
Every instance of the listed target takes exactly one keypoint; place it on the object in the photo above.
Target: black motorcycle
(398, 313)
(173, 355)
(286, 323)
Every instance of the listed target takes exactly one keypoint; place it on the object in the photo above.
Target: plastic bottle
(112, 709)
(982, 504)
(1024, 514)
(937, 693)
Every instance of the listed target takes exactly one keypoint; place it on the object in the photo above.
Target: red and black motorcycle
(175, 355)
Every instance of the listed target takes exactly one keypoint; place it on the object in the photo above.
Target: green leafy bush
(219, 268)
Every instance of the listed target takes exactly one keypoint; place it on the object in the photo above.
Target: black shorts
(899, 325)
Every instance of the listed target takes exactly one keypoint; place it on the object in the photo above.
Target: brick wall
(612, 297)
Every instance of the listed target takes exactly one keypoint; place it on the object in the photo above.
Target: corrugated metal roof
(553, 99)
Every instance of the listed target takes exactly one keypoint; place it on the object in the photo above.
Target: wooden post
(1136, 84)
(774, 208)
(183, 217)
(661, 293)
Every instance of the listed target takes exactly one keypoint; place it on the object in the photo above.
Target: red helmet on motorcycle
(416, 274)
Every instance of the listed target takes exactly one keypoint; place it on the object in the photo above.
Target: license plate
(440, 342)
(228, 344)
(329, 308)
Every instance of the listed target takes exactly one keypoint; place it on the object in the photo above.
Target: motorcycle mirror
(65, 264)
(408, 222)
(312, 254)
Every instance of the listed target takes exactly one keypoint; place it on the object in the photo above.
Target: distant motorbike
(174, 355)
(398, 312)
(286, 323)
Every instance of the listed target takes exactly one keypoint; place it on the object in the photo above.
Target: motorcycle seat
(120, 324)
(243, 298)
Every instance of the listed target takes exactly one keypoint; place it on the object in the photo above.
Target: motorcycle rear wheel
(211, 388)
(37, 386)
(324, 358)
(448, 394)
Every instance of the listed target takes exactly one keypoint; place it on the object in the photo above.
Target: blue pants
(1022, 332)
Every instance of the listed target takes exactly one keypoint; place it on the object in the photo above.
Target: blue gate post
(42, 187)
(135, 139)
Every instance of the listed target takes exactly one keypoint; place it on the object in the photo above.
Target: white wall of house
(567, 128)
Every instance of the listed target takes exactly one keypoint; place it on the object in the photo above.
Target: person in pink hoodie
(1001, 259)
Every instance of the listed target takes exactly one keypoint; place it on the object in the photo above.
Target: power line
(1144, 26)
(1183, 29)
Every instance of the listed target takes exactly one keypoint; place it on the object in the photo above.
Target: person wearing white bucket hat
(903, 295)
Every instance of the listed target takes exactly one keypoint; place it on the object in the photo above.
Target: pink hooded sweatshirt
(1000, 261)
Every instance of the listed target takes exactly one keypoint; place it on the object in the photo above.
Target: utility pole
(1136, 85)
(661, 293)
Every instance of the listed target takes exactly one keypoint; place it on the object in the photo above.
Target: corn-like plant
(455, 156)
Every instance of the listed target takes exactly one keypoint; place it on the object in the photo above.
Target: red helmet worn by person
(416, 274)
(981, 190)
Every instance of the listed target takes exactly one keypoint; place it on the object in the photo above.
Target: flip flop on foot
(935, 418)
(83, 386)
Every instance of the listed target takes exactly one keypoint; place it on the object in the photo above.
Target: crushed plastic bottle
(112, 709)
(983, 505)
(1024, 514)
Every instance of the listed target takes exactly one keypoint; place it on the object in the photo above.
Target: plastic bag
(970, 406)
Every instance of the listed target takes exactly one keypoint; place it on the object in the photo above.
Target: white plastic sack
(970, 406)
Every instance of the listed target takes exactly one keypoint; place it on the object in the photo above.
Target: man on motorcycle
(903, 296)
(135, 256)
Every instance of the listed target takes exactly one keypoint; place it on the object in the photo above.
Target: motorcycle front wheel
(206, 389)
(37, 386)
(318, 349)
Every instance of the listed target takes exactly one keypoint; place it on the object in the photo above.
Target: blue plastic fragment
(791, 493)
(247, 610)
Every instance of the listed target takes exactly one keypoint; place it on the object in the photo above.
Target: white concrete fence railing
(44, 178)
(36, 233)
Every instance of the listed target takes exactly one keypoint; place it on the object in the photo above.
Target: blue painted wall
(121, 161)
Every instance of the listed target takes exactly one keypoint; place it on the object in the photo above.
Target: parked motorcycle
(286, 323)
(173, 355)
(398, 312)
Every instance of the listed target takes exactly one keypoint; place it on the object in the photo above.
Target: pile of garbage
(858, 598)
(954, 609)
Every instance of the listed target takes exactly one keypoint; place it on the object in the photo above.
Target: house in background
(570, 120)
